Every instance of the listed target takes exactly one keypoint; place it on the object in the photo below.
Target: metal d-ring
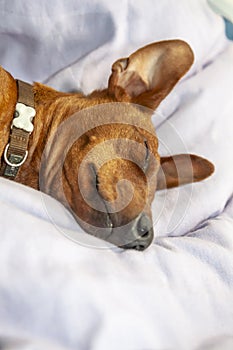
(13, 164)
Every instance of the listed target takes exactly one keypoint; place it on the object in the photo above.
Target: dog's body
(144, 79)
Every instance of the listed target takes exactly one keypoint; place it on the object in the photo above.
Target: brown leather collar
(16, 150)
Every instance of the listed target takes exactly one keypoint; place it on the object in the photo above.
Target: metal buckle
(8, 162)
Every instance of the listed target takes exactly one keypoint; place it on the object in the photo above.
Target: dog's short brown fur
(145, 79)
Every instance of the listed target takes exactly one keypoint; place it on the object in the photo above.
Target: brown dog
(95, 186)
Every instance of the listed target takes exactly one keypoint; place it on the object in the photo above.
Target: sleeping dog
(97, 156)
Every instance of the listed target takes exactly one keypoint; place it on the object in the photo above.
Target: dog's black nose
(144, 226)
(142, 233)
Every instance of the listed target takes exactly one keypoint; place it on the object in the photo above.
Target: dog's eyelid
(147, 148)
(147, 157)
(93, 168)
(97, 183)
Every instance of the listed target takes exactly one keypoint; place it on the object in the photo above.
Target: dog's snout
(143, 227)
(142, 233)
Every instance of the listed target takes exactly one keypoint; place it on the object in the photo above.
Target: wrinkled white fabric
(178, 294)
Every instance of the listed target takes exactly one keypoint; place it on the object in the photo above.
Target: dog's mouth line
(109, 222)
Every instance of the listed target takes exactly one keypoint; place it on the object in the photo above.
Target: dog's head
(116, 161)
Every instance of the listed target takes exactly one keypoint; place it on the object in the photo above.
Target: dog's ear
(149, 74)
(182, 169)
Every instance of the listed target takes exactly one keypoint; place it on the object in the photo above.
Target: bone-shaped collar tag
(23, 117)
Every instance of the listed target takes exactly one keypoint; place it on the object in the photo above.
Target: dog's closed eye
(147, 157)
(97, 185)
(95, 174)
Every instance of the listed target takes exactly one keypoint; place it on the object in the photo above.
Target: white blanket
(178, 294)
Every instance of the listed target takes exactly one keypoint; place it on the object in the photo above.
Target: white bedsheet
(178, 294)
